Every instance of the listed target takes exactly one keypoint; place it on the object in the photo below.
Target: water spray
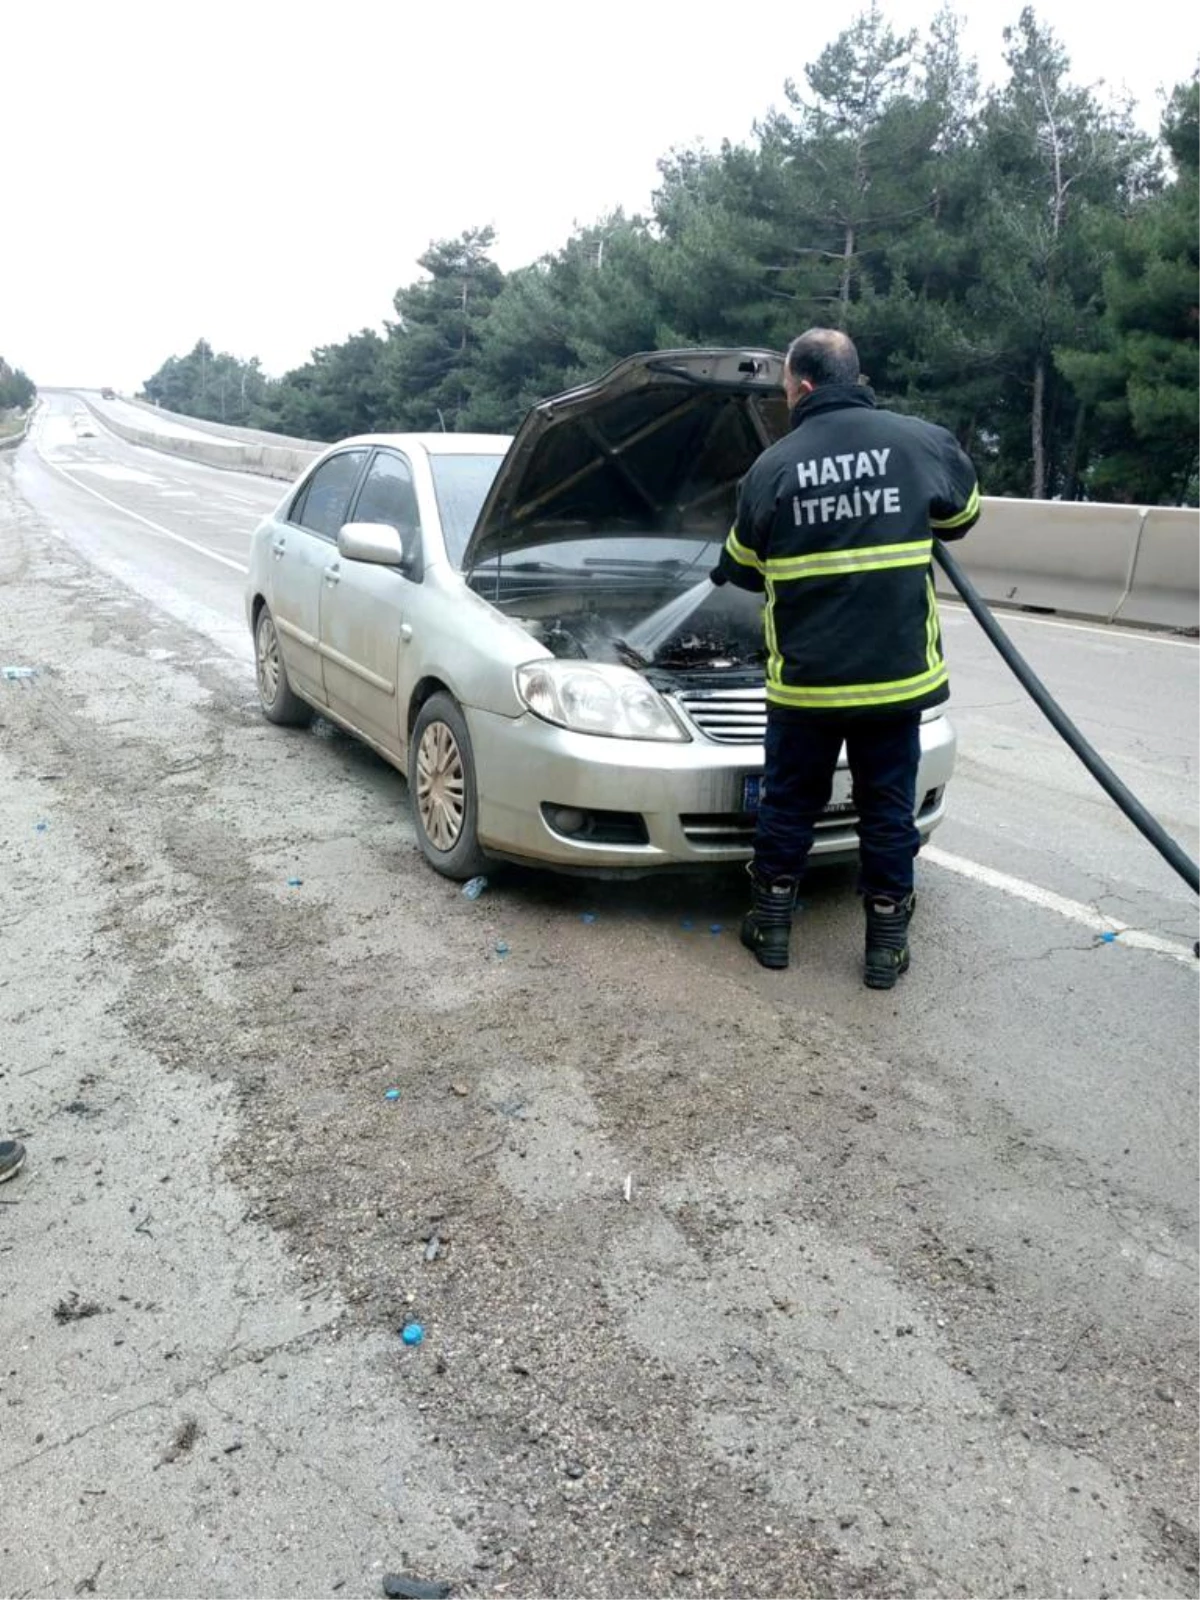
(642, 644)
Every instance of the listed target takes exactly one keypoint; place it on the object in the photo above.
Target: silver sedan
(525, 629)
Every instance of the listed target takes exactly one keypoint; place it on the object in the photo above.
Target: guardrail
(1109, 563)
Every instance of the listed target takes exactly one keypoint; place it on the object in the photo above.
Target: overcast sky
(265, 175)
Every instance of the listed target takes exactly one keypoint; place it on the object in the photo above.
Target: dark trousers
(802, 752)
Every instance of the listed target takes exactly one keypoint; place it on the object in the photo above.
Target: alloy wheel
(441, 786)
(266, 657)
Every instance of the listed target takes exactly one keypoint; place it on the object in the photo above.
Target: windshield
(461, 484)
(599, 555)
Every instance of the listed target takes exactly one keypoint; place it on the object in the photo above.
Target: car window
(321, 505)
(461, 484)
(387, 494)
(296, 510)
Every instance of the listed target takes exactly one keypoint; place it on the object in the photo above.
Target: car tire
(441, 783)
(279, 703)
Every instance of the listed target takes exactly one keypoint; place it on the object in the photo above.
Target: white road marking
(117, 474)
(155, 527)
(1047, 900)
(1111, 632)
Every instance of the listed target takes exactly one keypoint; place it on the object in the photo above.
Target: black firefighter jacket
(836, 522)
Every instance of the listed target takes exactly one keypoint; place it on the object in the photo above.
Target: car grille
(735, 829)
(727, 716)
(721, 830)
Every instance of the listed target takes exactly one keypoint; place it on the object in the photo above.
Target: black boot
(767, 926)
(887, 939)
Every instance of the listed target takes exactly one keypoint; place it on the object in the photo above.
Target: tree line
(16, 389)
(1020, 265)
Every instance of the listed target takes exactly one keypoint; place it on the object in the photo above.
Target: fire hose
(1149, 827)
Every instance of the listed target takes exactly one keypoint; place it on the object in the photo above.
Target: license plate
(841, 801)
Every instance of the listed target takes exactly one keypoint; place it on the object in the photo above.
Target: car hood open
(657, 445)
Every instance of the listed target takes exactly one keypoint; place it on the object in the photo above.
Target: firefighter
(836, 523)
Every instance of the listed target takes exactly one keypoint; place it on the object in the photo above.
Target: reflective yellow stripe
(845, 568)
(742, 554)
(835, 697)
(852, 553)
(832, 689)
(931, 627)
(774, 659)
(969, 511)
(867, 558)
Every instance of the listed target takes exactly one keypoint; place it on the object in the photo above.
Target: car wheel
(441, 778)
(275, 694)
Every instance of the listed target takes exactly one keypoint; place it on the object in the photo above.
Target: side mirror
(377, 542)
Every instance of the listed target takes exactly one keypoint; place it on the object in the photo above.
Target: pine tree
(439, 328)
(1141, 384)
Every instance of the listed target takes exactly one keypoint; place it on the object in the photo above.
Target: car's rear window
(461, 484)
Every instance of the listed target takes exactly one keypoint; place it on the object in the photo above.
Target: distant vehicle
(108, 394)
(461, 602)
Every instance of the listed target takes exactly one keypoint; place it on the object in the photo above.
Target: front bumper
(688, 796)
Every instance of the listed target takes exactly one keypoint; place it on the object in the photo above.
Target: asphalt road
(904, 1299)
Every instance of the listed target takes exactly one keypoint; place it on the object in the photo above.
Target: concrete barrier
(283, 461)
(1051, 555)
(221, 429)
(1164, 587)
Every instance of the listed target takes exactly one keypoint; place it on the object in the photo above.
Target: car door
(364, 609)
(302, 546)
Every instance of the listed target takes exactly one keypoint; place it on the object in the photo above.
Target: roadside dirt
(697, 1317)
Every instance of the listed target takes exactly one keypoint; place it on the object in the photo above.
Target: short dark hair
(823, 355)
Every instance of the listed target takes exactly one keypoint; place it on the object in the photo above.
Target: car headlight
(611, 701)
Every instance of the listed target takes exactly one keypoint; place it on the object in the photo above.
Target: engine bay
(724, 632)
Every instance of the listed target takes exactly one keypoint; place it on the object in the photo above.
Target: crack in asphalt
(177, 1393)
